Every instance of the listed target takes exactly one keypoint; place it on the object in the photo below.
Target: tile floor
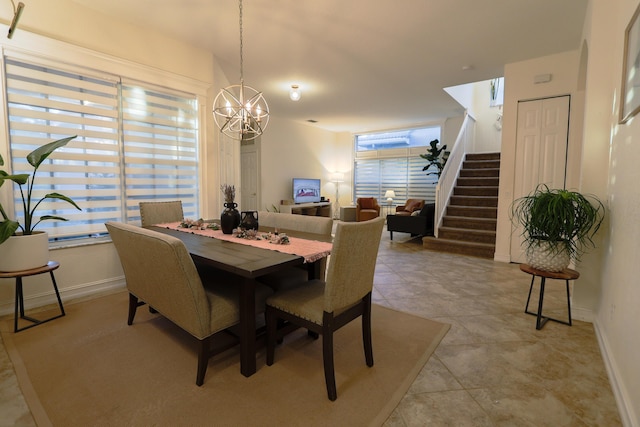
(493, 368)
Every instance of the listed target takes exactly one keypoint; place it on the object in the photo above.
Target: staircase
(469, 224)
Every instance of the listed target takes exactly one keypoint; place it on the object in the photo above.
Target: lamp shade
(390, 194)
(337, 177)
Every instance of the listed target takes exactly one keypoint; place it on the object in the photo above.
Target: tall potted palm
(558, 225)
(22, 246)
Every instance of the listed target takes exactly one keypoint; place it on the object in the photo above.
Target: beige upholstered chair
(160, 212)
(308, 224)
(367, 208)
(324, 307)
(160, 272)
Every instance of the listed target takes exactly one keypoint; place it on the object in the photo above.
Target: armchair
(367, 208)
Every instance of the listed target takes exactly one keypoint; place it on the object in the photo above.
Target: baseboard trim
(625, 408)
(66, 294)
(583, 314)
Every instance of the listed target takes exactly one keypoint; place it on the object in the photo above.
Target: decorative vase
(249, 220)
(542, 257)
(21, 252)
(229, 218)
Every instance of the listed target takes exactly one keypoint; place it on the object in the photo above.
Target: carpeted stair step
(481, 164)
(475, 191)
(473, 201)
(473, 211)
(467, 235)
(465, 173)
(478, 182)
(482, 250)
(488, 224)
(483, 156)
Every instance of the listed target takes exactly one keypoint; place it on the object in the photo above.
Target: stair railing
(447, 181)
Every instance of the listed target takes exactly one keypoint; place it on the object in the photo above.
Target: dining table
(248, 263)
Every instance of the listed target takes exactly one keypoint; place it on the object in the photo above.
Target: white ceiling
(363, 64)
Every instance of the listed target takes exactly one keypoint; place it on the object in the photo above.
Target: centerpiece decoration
(251, 234)
(198, 224)
(230, 217)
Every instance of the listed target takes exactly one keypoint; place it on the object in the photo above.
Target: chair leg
(366, 331)
(327, 357)
(203, 359)
(272, 327)
(133, 306)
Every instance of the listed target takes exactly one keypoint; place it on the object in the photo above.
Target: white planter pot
(24, 252)
(541, 257)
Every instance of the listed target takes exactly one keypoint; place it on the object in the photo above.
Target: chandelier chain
(241, 46)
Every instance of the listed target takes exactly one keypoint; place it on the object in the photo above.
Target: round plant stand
(19, 304)
(566, 275)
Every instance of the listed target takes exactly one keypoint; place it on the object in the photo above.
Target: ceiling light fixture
(17, 12)
(294, 93)
(240, 111)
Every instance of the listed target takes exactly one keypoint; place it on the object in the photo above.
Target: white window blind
(404, 175)
(160, 132)
(135, 142)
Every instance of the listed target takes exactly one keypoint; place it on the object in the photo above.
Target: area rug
(90, 368)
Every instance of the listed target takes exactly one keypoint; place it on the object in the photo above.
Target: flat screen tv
(306, 190)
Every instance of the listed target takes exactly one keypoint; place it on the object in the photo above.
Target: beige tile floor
(493, 368)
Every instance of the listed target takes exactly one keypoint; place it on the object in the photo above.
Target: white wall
(293, 150)
(488, 137)
(519, 85)
(610, 170)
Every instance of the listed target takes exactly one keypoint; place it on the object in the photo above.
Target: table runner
(310, 250)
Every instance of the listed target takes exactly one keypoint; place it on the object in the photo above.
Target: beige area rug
(90, 368)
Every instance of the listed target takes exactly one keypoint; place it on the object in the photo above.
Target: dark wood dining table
(248, 263)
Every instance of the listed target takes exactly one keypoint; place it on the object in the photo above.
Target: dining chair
(160, 212)
(323, 307)
(160, 272)
(322, 226)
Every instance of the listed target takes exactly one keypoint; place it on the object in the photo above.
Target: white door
(541, 152)
(249, 174)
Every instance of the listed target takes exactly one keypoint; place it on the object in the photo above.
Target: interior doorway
(249, 175)
(542, 139)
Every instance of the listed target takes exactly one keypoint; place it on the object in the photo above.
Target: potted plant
(436, 157)
(558, 225)
(13, 234)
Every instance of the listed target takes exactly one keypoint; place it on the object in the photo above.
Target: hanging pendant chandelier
(240, 111)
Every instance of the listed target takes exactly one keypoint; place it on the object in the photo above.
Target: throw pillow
(415, 213)
(412, 205)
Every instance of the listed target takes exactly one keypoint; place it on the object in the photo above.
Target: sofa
(420, 223)
(410, 206)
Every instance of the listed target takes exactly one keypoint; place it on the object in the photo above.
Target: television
(306, 190)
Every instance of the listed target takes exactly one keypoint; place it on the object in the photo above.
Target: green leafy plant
(436, 157)
(8, 227)
(567, 220)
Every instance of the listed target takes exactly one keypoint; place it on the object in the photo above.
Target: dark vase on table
(229, 218)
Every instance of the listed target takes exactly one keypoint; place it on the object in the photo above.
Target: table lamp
(390, 194)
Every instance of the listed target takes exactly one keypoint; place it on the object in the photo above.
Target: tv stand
(313, 209)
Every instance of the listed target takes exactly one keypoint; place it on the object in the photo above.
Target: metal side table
(19, 305)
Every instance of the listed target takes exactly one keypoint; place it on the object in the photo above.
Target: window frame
(68, 57)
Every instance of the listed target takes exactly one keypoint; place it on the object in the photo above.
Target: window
(136, 142)
(410, 138)
(391, 161)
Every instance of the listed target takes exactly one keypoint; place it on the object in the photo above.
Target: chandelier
(240, 111)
